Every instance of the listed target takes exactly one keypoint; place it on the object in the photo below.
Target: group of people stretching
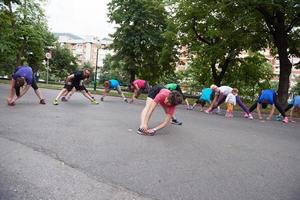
(168, 97)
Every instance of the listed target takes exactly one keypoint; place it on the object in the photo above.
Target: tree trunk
(132, 75)
(281, 42)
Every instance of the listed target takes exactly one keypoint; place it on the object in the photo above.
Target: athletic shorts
(33, 84)
(154, 91)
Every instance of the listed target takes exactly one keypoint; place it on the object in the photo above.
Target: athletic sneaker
(250, 116)
(55, 102)
(42, 101)
(176, 122)
(190, 108)
(285, 120)
(94, 102)
(207, 111)
(279, 118)
(126, 100)
(143, 132)
(102, 98)
(246, 115)
(64, 99)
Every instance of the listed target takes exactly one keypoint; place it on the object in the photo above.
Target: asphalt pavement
(77, 150)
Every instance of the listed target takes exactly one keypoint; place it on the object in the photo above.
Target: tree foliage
(141, 41)
(24, 34)
(63, 63)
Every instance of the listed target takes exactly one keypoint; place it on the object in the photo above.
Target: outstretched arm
(166, 122)
(23, 92)
(271, 112)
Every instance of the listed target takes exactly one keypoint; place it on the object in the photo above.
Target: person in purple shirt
(22, 80)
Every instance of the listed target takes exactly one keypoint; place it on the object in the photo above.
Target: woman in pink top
(167, 99)
(138, 86)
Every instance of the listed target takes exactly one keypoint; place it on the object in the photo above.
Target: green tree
(141, 37)
(63, 63)
(281, 21)
(113, 69)
(296, 88)
(25, 34)
(214, 35)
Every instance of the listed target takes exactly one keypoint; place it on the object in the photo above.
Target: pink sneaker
(207, 111)
(246, 115)
(285, 120)
(250, 116)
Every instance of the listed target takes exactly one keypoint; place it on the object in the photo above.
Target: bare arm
(11, 91)
(214, 101)
(23, 92)
(187, 102)
(258, 111)
(291, 113)
(271, 112)
(166, 121)
(69, 78)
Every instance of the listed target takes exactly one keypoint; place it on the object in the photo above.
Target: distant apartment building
(86, 49)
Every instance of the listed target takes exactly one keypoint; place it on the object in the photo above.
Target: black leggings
(275, 101)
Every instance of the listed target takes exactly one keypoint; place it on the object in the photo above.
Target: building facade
(88, 49)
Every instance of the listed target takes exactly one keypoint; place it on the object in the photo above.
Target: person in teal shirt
(205, 96)
(112, 85)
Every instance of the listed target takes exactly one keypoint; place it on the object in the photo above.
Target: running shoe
(279, 118)
(141, 131)
(246, 115)
(176, 122)
(94, 102)
(102, 98)
(125, 100)
(285, 120)
(64, 99)
(207, 111)
(190, 108)
(42, 101)
(250, 116)
(55, 102)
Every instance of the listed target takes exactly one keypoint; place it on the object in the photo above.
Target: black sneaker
(141, 131)
(102, 98)
(176, 122)
(42, 101)
(64, 99)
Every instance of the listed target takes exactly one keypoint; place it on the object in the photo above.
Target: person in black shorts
(22, 80)
(74, 81)
(66, 97)
(167, 100)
